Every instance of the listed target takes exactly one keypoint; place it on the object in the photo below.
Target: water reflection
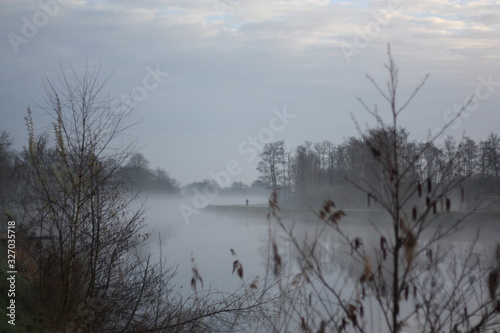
(214, 232)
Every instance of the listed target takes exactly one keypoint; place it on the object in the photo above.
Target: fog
(208, 237)
(229, 224)
(204, 108)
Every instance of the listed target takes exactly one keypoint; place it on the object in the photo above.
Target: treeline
(314, 171)
(135, 172)
(236, 190)
(143, 178)
(311, 171)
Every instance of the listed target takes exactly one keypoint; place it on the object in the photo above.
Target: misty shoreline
(376, 215)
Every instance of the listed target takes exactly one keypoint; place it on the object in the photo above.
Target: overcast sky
(243, 69)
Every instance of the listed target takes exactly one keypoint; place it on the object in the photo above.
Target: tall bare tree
(93, 272)
(396, 276)
(271, 164)
(93, 275)
(306, 169)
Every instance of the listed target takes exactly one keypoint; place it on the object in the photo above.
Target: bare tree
(138, 162)
(490, 160)
(396, 278)
(306, 168)
(271, 164)
(92, 270)
(77, 202)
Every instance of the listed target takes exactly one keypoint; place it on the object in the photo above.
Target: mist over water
(229, 224)
(208, 238)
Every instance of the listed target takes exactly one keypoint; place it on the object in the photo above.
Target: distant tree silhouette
(271, 164)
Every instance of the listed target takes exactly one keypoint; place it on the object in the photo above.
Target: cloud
(232, 61)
